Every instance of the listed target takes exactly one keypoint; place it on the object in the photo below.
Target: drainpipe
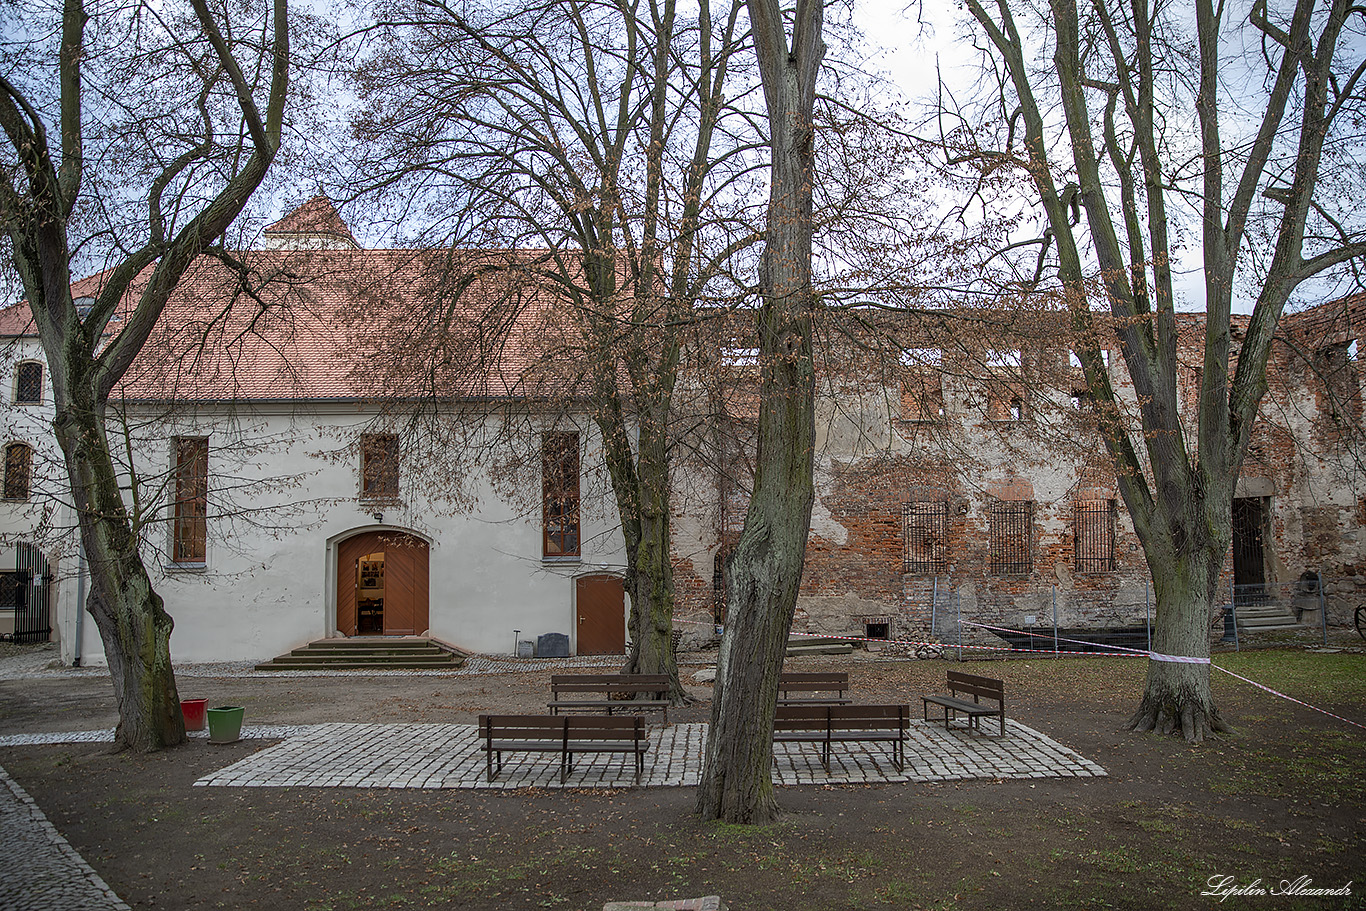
(80, 601)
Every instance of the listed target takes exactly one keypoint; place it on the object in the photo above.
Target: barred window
(1093, 535)
(28, 383)
(189, 532)
(1012, 527)
(925, 531)
(560, 494)
(378, 466)
(18, 471)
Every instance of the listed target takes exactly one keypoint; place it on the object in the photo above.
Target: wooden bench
(815, 682)
(563, 734)
(830, 724)
(625, 687)
(979, 688)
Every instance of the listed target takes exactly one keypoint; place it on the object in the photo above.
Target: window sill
(186, 567)
(561, 558)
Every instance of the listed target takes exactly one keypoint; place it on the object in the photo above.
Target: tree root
(1191, 721)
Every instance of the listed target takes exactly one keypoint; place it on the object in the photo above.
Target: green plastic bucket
(225, 723)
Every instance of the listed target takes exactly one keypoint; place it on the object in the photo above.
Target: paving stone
(450, 756)
(50, 876)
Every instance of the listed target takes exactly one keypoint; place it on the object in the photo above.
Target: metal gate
(27, 592)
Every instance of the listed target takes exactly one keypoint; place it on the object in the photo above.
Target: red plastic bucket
(193, 710)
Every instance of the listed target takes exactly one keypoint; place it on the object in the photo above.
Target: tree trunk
(1177, 695)
(652, 579)
(764, 571)
(133, 623)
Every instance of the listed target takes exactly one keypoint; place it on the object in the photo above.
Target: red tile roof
(317, 216)
(348, 325)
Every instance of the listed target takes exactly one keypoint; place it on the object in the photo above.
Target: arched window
(18, 471)
(28, 383)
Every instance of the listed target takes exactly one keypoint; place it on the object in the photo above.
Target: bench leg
(489, 765)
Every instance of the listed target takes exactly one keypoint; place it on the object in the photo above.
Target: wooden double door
(382, 584)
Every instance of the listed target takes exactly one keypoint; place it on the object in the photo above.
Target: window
(1012, 523)
(28, 383)
(18, 471)
(1005, 404)
(1075, 361)
(1008, 358)
(1093, 541)
(13, 591)
(560, 494)
(378, 466)
(739, 357)
(922, 357)
(190, 522)
(925, 526)
(922, 395)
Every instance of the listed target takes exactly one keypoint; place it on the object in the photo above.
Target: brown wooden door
(600, 603)
(406, 592)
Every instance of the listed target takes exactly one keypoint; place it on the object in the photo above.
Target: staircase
(371, 653)
(1265, 616)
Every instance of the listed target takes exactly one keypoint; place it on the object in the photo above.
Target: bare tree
(597, 134)
(188, 103)
(1091, 110)
(765, 569)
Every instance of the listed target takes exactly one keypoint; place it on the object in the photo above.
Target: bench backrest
(609, 683)
(813, 681)
(977, 686)
(841, 717)
(562, 727)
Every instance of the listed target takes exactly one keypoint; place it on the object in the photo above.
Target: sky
(915, 37)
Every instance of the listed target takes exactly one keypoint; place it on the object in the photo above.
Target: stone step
(375, 653)
(288, 665)
(353, 642)
(307, 658)
(369, 651)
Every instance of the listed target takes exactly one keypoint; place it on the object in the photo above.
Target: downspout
(80, 601)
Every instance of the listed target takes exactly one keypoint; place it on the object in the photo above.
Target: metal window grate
(379, 466)
(560, 494)
(28, 384)
(189, 542)
(925, 526)
(1093, 541)
(1012, 523)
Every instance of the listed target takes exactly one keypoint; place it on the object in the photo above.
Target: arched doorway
(382, 587)
(600, 606)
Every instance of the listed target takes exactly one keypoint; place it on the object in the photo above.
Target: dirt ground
(1283, 799)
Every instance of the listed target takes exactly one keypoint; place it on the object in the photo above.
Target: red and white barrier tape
(941, 645)
(1130, 652)
(1290, 698)
(1126, 653)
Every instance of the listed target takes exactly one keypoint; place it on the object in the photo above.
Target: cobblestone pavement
(449, 756)
(39, 665)
(42, 871)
